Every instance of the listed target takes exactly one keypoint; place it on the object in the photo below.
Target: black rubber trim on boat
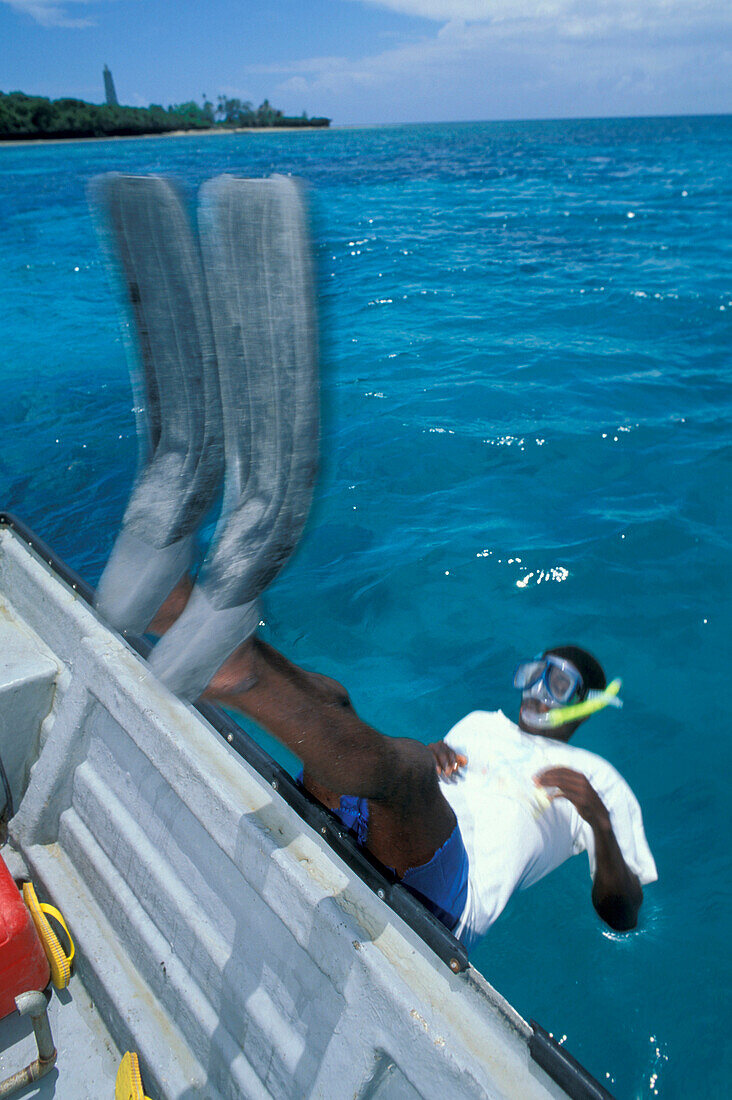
(377, 878)
(559, 1064)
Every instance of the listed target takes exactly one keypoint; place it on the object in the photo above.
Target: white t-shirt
(513, 834)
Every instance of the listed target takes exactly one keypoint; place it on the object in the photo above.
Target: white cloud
(479, 11)
(527, 58)
(49, 13)
(578, 12)
(523, 25)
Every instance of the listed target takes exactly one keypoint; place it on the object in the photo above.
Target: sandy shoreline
(168, 134)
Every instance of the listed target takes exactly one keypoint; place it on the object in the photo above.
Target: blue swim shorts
(441, 884)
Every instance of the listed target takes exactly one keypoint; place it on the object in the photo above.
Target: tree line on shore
(26, 116)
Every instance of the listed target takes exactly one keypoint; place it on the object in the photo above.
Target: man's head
(562, 676)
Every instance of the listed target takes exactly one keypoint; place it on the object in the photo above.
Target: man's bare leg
(409, 819)
(312, 715)
(170, 610)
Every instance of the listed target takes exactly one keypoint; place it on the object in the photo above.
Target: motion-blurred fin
(150, 240)
(257, 262)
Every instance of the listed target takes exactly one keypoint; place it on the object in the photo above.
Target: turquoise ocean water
(526, 441)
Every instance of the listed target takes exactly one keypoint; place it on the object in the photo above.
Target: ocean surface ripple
(526, 440)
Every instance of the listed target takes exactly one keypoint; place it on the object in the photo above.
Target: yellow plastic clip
(128, 1085)
(58, 959)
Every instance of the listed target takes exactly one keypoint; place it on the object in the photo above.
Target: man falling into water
(468, 821)
(227, 351)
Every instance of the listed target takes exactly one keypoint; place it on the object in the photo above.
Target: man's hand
(447, 761)
(616, 890)
(578, 790)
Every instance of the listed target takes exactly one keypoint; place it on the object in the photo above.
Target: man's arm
(616, 891)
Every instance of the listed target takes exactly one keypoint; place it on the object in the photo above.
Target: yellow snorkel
(595, 700)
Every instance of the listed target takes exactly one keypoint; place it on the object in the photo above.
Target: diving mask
(553, 681)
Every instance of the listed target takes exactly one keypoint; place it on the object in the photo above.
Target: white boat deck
(218, 934)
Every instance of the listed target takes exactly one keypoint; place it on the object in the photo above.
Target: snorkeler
(464, 823)
(468, 821)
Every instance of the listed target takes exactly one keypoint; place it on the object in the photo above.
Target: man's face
(553, 686)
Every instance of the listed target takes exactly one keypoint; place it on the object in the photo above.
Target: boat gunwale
(377, 877)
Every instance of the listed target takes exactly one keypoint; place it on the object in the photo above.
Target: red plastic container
(23, 964)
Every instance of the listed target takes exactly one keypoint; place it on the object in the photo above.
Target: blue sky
(370, 61)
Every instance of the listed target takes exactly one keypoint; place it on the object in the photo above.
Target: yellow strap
(128, 1085)
(58, 960)
(52, 911)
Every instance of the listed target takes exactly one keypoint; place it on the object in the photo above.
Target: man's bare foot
(172, 608)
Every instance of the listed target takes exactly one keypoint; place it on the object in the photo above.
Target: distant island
(26, 117)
